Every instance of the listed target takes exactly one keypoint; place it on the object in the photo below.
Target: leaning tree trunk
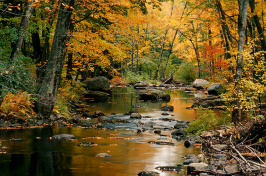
(242, 24)
(48, 89)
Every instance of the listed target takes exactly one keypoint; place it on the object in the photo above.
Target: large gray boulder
(98, 84)
(200, 83)
(216, 89)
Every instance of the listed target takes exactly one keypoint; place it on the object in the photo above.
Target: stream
(32, 152)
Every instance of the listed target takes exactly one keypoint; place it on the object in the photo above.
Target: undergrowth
(18, 105)
(209, 120)
(68, 94)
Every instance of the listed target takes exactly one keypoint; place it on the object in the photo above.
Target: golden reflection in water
(127, 157)
(180, 110)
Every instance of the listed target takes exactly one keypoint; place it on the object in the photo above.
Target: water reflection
(37, 155)
(120, 102)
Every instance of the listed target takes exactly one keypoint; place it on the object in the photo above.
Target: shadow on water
(37, 155)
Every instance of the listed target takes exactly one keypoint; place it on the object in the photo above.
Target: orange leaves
(19, 105)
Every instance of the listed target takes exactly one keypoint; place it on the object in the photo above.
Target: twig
(241, 156)
(257, 164)
(250, 149)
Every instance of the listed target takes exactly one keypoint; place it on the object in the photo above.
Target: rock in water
(103, 155)
(167, 108)
(63, 136)
(148, 173)
(98, 84)
(135, 116)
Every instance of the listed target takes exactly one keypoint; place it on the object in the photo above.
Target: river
(35, 154)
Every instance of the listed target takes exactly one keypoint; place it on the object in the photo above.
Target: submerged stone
(148, 173)
(103, 155)
(63, 136)
(174, 169)
(167, 108)
(87, 144)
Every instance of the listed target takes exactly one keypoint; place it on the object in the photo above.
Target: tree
(48, 89)
(17, 47)
(242, 23)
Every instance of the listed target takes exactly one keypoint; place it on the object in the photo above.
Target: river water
(37, 155)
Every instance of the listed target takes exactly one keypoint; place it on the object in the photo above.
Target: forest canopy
(50, 45)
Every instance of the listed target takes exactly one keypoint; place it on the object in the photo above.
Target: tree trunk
(226, 32)
(163, 43)
(23, 27)
(17, 46)
(48, 90)
(137, 53)
(132, 54)
(169, 53)
(237, 114)
(258, 25)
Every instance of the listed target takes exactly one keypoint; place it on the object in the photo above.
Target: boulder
(200, 83)
(189, 143)
(172, 169)
(167, 108)
(154, 95)
(210, 101)
(179, 132)
(100, 83)
(63, 136)
(180, 125)
(148, 173)
(197, 167)
(216, 89)
(135, 116)
(103, 155)
(191, 160)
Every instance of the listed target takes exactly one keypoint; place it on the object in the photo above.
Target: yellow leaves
(19, 105)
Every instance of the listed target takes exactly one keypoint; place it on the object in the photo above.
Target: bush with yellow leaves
(18, 105)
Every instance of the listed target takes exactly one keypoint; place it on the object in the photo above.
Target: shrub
(17, 105)
(132, 77)
(117, 81)
(208, 120)
(186, 72)
(68, 93)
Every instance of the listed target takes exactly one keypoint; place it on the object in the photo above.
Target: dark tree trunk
(237, 114)
(23, 27)
(48, 89)
(259, 27)
(226, 32)
(69, 66)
